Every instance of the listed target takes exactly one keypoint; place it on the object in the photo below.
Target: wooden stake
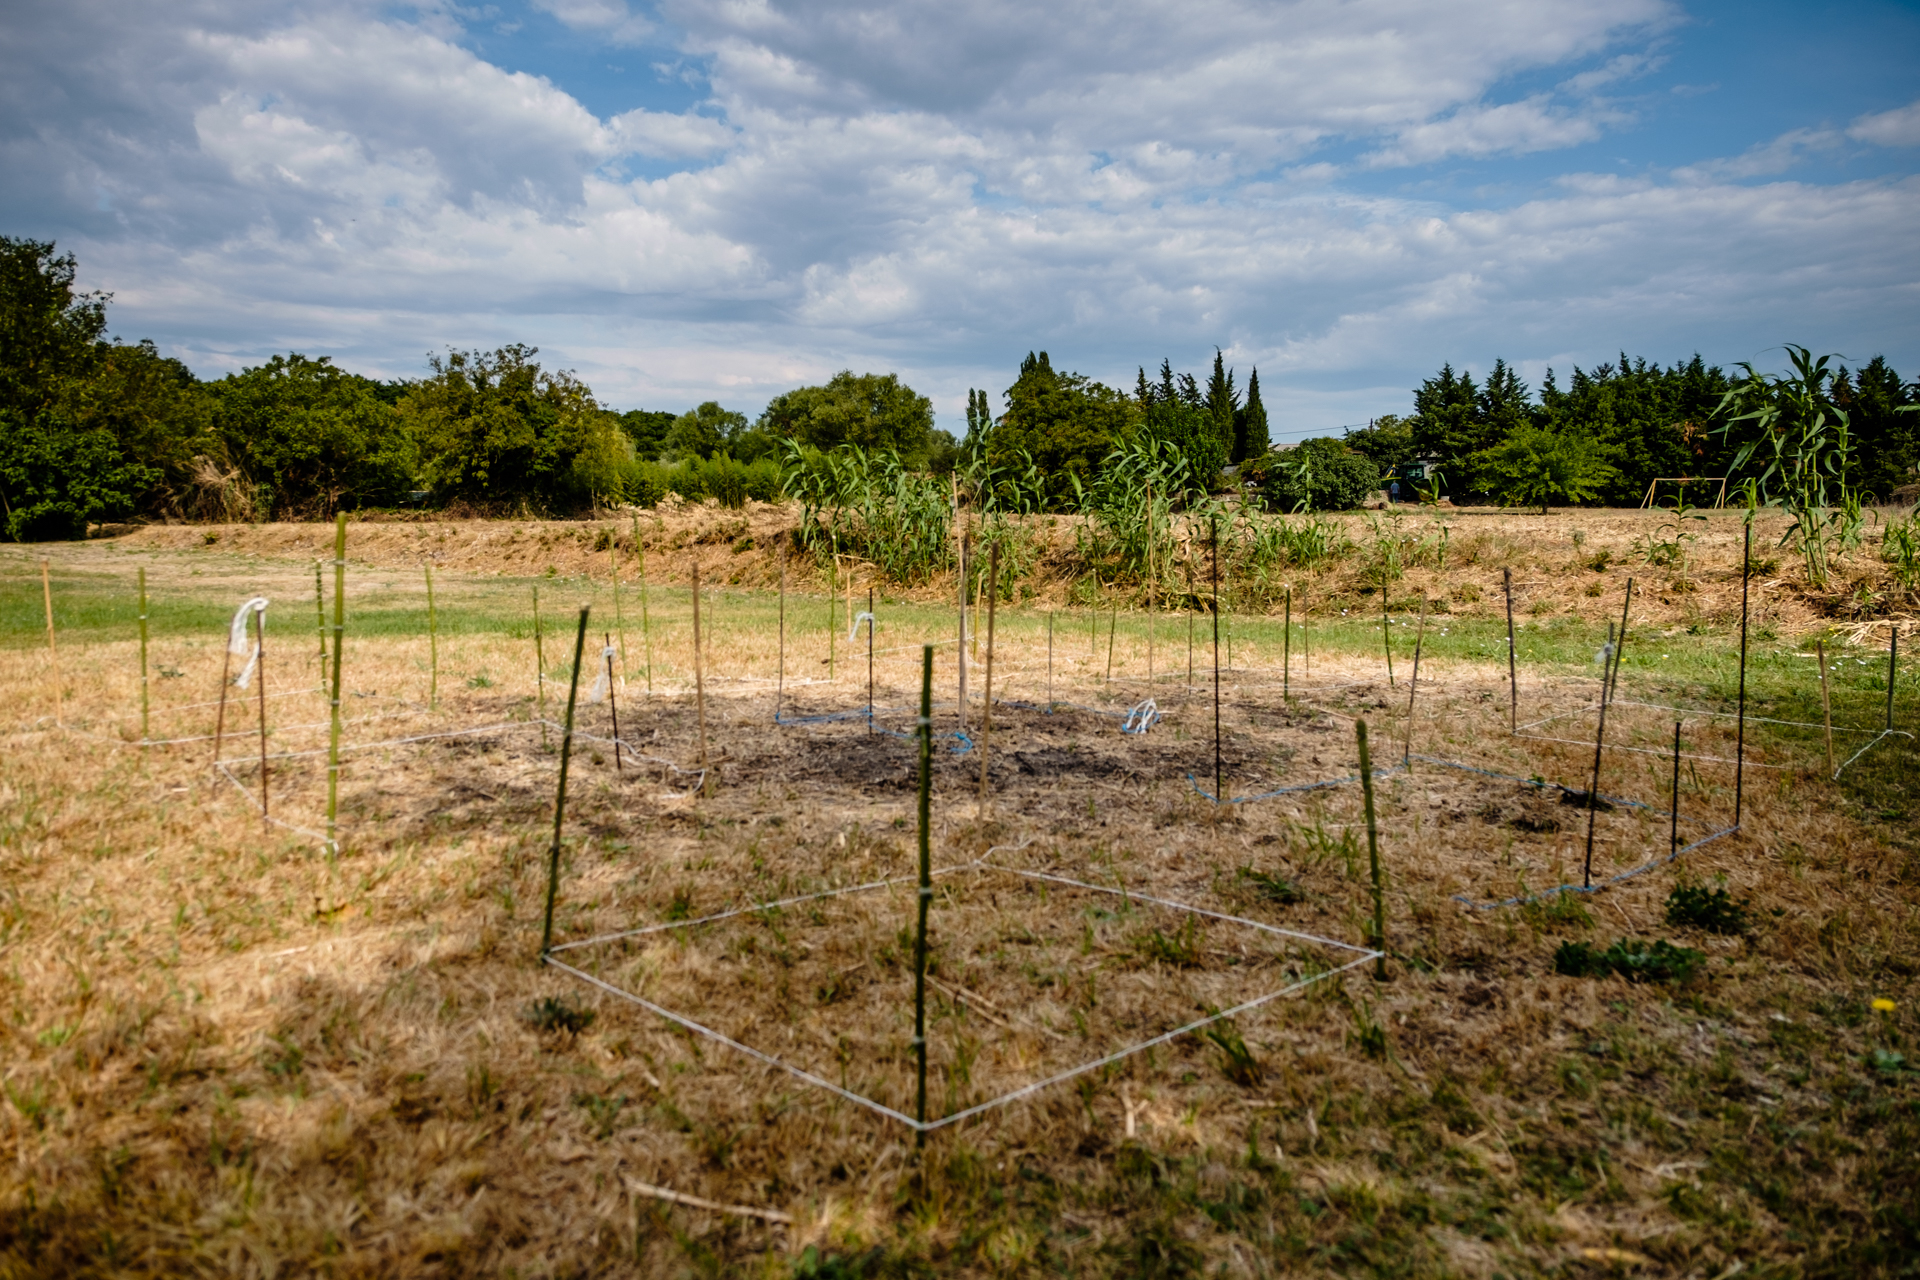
(833, 591)
(320, 622)
(986, 714)
(1219, 770)
(966, 554)
(560, 790)
(619, 617)
(1893, 670)
(1050, 660)
(226, 680)
(1113, 625)
(646, 629)
(780, 687)
(1673, 832)
(1740, 741)
(53, 650)
(1386, 634)
(1593, 792)
(870, 660)
(1286, 653)
(700, 686)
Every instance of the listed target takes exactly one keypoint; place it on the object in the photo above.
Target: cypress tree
(1251, 437)
(1223, 402)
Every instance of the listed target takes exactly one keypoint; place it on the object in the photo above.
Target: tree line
(94, 429)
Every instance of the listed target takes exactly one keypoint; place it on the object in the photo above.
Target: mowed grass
(393, 1111)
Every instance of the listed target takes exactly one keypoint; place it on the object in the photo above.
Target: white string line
(1144, 1045)
(710, 1033)
(1884, 733)
(1653, 751)
(1693, 711)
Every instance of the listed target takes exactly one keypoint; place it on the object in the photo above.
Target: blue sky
(724, 200)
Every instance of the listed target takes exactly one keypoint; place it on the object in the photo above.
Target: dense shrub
(1317, 475)
(1632, 959)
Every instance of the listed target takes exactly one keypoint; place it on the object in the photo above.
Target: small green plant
(285, 1061)
(1900, 548)
(481, 681)
(1237, 1062)
(1632, 959)
(681, 906)
(556, 1015)
(1273, 888)
(1180, 949)
(1371, 1035)
(1711, 909)
(604, 1111)
(1561, 911)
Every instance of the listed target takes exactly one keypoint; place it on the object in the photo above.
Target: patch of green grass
(1632, 959)
(1711, 909)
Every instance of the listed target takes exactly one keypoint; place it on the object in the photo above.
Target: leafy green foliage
(1237, 1062)
(1273, 888)
(1711, 909)
(871, 505)
(310, 439)
(872, 411)
(1064, 424)
(1322, 474)
(1632, 959)
(703, 431)
(1534, 466)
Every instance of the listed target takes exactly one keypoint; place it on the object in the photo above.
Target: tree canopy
(871, 410)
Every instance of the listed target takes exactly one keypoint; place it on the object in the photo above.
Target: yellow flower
(1884, 1005)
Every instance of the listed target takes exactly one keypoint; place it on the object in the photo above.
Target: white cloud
(929, 187)
(1897, 128)
(611, 19)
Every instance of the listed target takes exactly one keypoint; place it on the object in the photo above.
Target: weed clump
(1273, 888)
(1711, 909)
(555, 1015)
(1632, 959)
(1237, 1062)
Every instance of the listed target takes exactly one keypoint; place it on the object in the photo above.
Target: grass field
(228, 1052)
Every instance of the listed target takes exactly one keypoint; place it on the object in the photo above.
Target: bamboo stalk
(780, 687)
(1049, 660)
(986, 714)
(700, 686)
(1593, 791)
(145, 690)
(923, 894)
(1826, 701)
(960, 650)
(320, 622)
(53, 650)
(1286, 653)
(1893, 670)
(1113, 625)
(1673, 831)
(226, 680)
(1386, 634)
(1219, 770)
(833, 591)
(560, 790)
(870, 660)
(339, 636)
(1740, 741)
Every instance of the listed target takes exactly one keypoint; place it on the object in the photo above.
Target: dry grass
(226, 1053)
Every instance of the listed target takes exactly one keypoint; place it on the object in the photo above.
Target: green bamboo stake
(833, 590)
(1386, 635)
(1286, 653)
(339, 634)
(320, 622)
(433, 645)
(1113, 625)
(144, 700)
(560, 792)
(1379, 940)
(925, 894)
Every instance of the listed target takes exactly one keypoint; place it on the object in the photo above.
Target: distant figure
(1395, 490)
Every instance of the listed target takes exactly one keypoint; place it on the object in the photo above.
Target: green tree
(1251, 435)
(1536, 465)
(1223, 407)
(647, 429)
(1173, 411)
(1321, 474)
(1886, 432)
(704, 430)
(872, 410)
(1388, 440)
(1065, 423)
(310, 438)
(496, 430)
(90, 430)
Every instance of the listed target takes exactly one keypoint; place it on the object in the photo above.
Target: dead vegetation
(227, 1053)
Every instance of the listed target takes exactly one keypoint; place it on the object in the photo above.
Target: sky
(725, 200)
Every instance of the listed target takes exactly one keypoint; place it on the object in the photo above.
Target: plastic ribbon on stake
(600, 682)
(239, 642)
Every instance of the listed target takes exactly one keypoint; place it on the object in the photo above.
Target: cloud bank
(932, 188)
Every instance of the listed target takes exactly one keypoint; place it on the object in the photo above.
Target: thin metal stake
(986, 715)
(869, 659)
(1826, 701)
(1593, 792)
(780, 688)
(1386, 636)
(646, 629)
(260, 666)
(339, 639)
(700, 685)
(1379, 939)
(1413, 684)
(433, 645)
(1049, 660)
(1740, 741)
(1113, 625)
(960, 650)
(539, 669)
(320, 620)
(1673, 835)
(924, 894)
(220, 717)
(560, 791)
(619, 618)
(1513, 675)
(144, 699)
(53, 651)
(1219, 771)
(613, 707)
(1619, 646)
